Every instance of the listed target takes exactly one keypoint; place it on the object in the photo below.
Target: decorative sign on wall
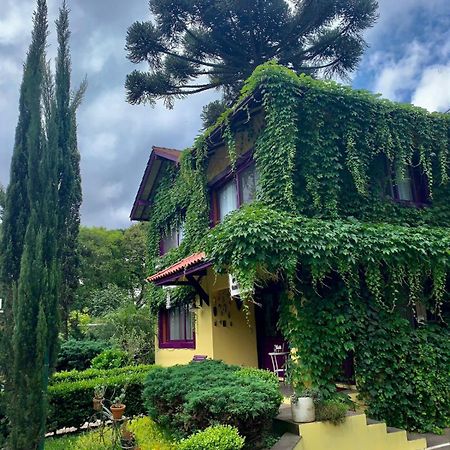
(222, 309)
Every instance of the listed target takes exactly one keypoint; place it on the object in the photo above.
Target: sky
(408, 60)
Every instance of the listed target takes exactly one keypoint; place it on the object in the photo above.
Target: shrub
(130, 329)
(265, 375)
(77, 375)
(192, 397)
(71, 401)
(219, 437)
(77, 355)
(111, 358)
(331, 410)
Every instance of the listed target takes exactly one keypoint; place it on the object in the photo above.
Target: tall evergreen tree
(192, 46)
(30, 266)
(69, 169)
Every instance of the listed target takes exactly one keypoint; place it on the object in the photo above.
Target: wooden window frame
(164, 340)
(226, 176)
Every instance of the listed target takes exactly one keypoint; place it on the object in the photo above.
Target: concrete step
(287, 442)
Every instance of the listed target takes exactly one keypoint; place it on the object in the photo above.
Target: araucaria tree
(193, 46)
(31, 236)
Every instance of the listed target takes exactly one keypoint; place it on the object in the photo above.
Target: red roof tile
(179, 266)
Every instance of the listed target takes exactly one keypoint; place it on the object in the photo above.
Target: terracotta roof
(179, 266)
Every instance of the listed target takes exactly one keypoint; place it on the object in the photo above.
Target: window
(411, 188)
(248, 182)
(176, 328)
(227, 199)
(235, 192)
(172, 240)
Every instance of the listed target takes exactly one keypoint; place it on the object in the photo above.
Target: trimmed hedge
(77, 375)
(192, 397)
(219, 437)
(70, 400)
(77, 354)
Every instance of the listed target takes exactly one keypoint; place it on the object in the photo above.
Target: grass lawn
(148, 435)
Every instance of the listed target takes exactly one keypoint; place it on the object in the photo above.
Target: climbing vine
(325, 226)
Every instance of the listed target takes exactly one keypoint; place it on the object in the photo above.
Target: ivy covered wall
(354, 263)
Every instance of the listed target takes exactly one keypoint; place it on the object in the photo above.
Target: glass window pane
(227, 197)
(404, 187)
(170, 241)
(181, 233)
(248, 184)
(189, 327)
(174, 324)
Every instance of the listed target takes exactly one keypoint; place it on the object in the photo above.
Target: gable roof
(158, 155)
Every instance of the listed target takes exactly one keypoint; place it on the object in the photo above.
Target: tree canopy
(193, 46)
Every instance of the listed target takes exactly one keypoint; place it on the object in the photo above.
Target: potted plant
(128, 438)
(99, 397)
(118, 407)
(302, 405)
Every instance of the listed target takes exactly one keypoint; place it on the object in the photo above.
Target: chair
(279, 358)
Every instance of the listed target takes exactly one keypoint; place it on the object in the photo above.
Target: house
(313, 217)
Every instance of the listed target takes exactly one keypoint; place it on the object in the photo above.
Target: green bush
(130, 329)
(219, 437)
(264, 375)
(77, 355)
(192, 397)
(111, 358)
(71, 401)
(77, 375)
(333, 411)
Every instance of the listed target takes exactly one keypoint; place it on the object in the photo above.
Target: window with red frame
(176, 328)
(235, 191)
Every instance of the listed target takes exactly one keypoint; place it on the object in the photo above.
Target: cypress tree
(30, 266)
(68, 169)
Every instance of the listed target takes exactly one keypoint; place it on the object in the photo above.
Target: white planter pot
(303, 410)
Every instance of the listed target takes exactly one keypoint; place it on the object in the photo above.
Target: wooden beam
(198, 288)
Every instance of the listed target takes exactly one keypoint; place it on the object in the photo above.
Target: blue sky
(408, 60)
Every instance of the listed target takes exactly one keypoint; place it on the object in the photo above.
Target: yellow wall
(234, 343)
(354, 434)
(245, 140)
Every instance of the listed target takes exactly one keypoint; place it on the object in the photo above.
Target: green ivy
(325, 228)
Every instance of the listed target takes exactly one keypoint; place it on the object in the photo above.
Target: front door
(269, 338)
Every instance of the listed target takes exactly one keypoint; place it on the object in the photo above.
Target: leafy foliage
(333, 411)
(324, 226)
(412, 372)
(192, 397)
(131, 329)
(111, 358)
(148, 435)
(226, 42)
(71, 401)
(219, 437)
(77, 354)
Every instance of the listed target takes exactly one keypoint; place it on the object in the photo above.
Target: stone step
(287, 442)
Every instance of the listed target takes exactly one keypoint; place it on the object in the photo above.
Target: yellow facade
(222, 331)
(354, 434)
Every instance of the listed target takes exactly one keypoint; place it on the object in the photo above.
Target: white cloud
(396, 76)
(433, 90)
(15, 21)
